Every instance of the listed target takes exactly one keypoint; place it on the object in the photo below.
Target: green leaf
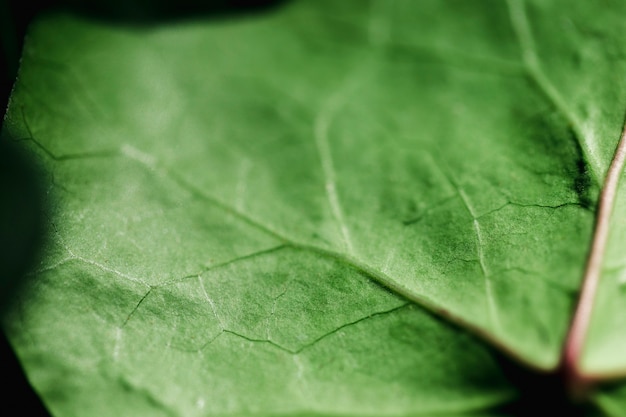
(604, 349)
(247, 215)
(612, 400)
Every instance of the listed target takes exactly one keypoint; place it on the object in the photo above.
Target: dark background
(17, 397)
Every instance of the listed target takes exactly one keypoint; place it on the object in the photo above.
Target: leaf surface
(225, 194)
(604, 348)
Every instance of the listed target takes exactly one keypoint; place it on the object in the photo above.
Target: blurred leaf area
(21, 211)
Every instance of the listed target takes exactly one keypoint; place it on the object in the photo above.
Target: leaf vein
(323, 122)
(537, 75)
(314, 341)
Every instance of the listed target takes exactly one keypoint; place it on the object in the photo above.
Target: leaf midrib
(578, 380)
(579, 383)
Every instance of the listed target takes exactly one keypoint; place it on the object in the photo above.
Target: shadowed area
(21, 219)
(538, 392)
(147, 11)
(21, 236)
(22, 203)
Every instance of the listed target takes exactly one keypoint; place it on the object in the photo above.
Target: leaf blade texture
(457, 165)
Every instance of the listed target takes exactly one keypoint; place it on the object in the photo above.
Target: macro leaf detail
(330, 208)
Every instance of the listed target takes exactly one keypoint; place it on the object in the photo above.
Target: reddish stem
(577, 382)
